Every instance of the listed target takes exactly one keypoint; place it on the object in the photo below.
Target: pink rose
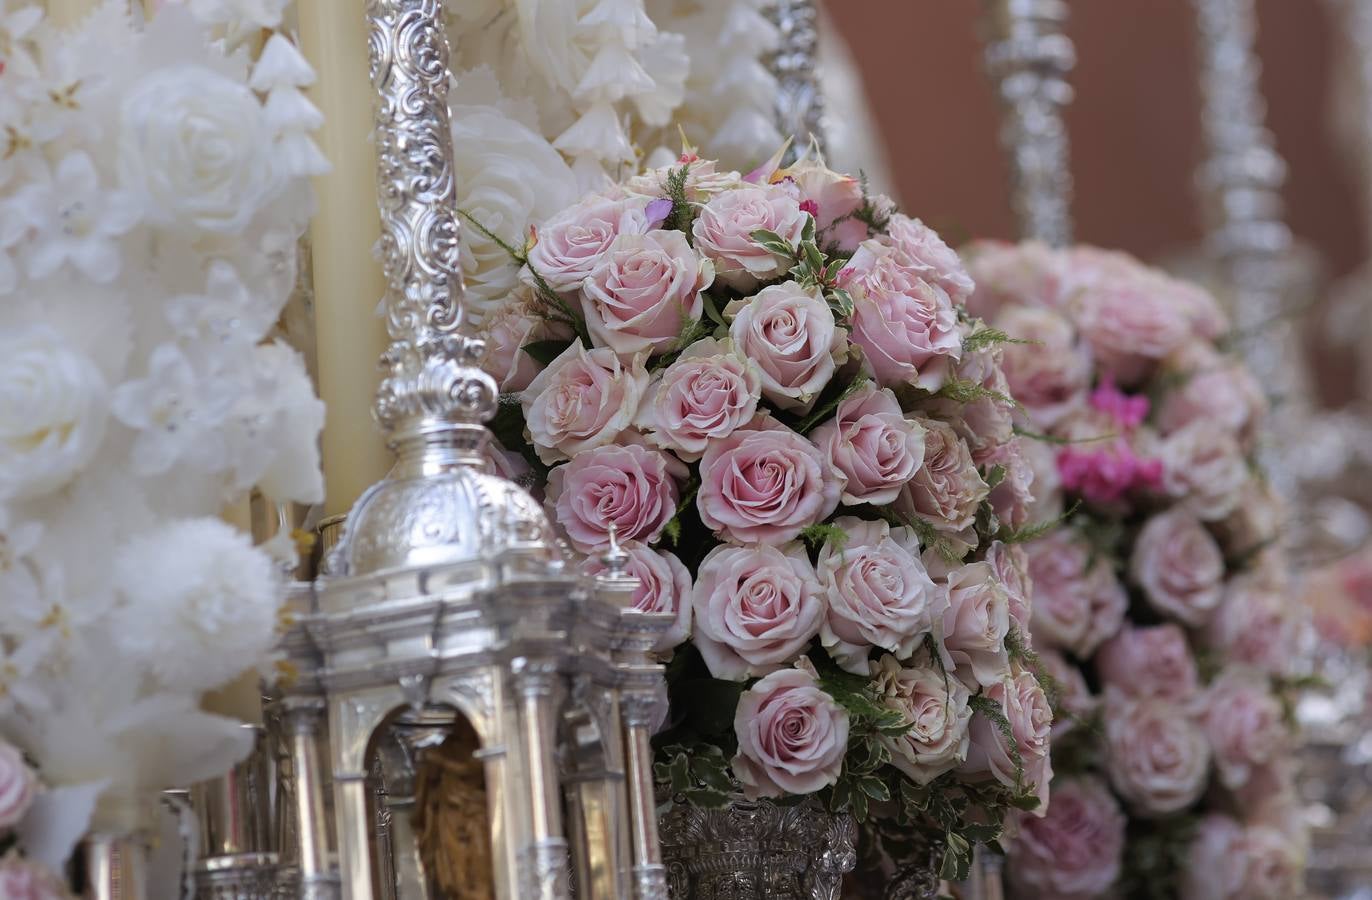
(1042, 459)
(583, 400)
(572, 244)
(1256, 625)
(1216, 389)
(1157, 757)
(1025, 706)
(1074, 702)
(976, 623)
(724, 233)
(1230, 862)
(703, 180)
(1026, 274)
(664, 586)
(506, 332)
(1078, 602)
(922, 250)
(836, 198)
(764, 484)
(643, 292)
(1010, 564)
(937, 710)
(792, 736)
(1013, 499)
(705, 395)
(1203, 466)
(878, 593)
(1243, 720)
(790, 334)
(1256, 521)
(627, 487)
(906, 326)
(947, 489)
(1150, 661)
(986, 423)
(871, 446)
(1179, 566)
(1051, 376)
(1130, 324)
(18, 787)
(1076, 850)
(756, 608)
(21, 879)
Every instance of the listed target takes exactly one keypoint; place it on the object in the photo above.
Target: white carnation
(53, 409)
(199, 603)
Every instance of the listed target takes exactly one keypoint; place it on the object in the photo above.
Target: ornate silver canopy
(446, 632)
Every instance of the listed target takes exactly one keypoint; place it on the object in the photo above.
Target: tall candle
(66, 13)
(348, 283)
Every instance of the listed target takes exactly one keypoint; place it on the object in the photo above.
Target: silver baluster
(800, 101)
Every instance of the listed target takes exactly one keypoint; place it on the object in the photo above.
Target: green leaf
(706, 799)
(1034, 530)
(858, 802)
(545, 351)
(679, 773)
(994, 476)
(822, 533)
(712, 311)
(957, 858)
(874, 787)
(986, 337)
(807, 424)
(773, 242)
(964, 390)
(813, 256)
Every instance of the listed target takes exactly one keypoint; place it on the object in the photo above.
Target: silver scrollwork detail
(1029, 57)
(650, 883)
(795, 64)
(755, 849)
(432, 369)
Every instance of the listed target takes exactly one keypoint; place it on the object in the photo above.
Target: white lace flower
(11, 231)
(272, 435)
(240, 15)
(175, 412)
(199, 601)
(16, 39)
(228, 313)
(75, 221)
(52, 411)
(18, 579)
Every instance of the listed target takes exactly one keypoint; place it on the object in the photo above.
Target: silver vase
(757, 850)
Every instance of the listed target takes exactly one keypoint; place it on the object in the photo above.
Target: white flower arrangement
(153, 188)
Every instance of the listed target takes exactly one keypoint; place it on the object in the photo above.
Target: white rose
(53, 407)
(195, 148)
(507, 177)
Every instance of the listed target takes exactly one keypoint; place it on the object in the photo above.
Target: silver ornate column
(799, 102)
(1029, 57)
(1240, 184)
(642, 704)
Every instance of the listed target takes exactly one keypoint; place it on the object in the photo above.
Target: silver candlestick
(800, 101)
(1029, 57)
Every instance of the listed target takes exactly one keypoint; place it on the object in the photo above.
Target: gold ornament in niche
(450, 818)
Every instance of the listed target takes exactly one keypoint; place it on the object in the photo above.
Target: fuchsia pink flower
(1107, 474)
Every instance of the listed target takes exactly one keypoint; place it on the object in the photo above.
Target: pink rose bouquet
(771, 395)
(1162, 609)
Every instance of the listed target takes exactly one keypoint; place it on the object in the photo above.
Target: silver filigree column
(1029, 57)
(799, 102)
(1240, 184)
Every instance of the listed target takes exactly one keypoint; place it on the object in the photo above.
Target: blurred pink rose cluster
(1162, 606)
(768, 388)
(20, 878)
